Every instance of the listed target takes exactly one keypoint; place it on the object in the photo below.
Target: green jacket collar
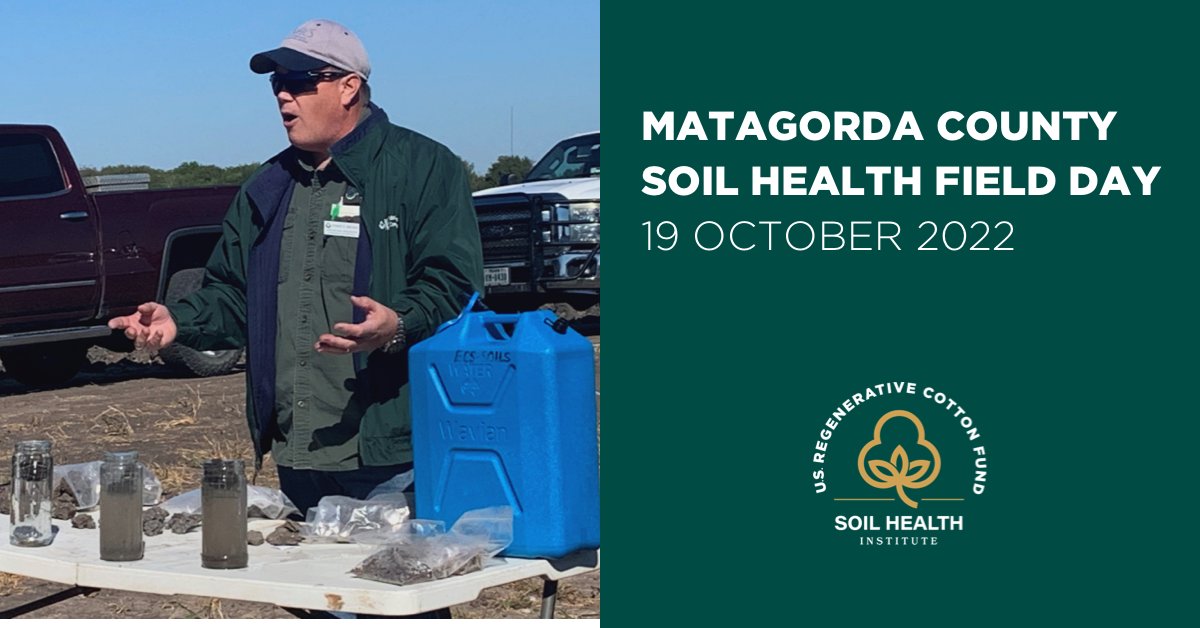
(355, 152)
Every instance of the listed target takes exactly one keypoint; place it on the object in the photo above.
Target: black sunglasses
(301, 82)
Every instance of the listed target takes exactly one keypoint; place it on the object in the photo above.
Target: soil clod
(154, 521)
(286, 534)
(180, 523)
(65, 503)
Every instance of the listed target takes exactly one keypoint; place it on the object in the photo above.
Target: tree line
(194, 174)
(505, 164)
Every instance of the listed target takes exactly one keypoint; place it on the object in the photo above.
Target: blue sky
(160, 83)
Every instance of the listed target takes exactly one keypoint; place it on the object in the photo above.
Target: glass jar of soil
(121, 507)
(223, 508)
(32, 482)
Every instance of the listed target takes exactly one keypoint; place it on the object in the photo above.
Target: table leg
(55, 598)
(549, 598)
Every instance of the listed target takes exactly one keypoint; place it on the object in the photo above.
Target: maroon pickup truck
(70, 259)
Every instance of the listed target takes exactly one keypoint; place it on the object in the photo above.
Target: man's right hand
(151, 327)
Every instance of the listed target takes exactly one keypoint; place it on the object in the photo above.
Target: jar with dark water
(121, 507)
(223, 508)
(32, 483)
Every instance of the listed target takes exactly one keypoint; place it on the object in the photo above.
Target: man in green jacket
(338, 254)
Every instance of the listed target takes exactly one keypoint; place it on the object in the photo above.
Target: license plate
(495, 276)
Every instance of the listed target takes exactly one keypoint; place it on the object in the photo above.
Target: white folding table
(308, 576)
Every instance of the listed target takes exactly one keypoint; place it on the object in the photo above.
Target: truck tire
(187, 359)
(44, 365)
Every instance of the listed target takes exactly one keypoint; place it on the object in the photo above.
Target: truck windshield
(574, 157)
(28, 166)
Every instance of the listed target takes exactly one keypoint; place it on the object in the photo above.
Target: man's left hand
(375, 331)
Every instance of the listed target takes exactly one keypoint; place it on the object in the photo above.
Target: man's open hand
(151, 327)
(375, 331)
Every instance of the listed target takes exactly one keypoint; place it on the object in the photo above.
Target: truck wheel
(187, 359)
(44, 365)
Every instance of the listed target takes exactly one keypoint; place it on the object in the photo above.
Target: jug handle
(470, 306)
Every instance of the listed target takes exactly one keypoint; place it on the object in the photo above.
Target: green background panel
(1074, 353)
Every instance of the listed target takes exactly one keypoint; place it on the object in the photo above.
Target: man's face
(314, 106)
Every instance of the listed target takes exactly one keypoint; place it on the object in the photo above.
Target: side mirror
(510, 179)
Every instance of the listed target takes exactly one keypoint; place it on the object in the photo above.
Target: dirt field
(134, 402)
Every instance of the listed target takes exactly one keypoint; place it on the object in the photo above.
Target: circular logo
(899, 461)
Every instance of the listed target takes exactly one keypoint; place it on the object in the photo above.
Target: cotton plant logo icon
(900, 472)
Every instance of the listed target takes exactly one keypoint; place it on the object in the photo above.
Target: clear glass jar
(32, 485)
(121, 507)
(223, 508)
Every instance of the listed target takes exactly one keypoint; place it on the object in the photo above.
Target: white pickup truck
(541, 237)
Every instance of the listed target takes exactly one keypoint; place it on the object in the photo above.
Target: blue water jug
(504, 413)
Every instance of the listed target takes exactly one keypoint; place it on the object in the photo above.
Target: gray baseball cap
(313, 45)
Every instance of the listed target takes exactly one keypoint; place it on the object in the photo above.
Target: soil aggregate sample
(254, 537)
(181, 523)
(65, 504)
(413, 562)
(286, 534)
(83, 521)
(154, 521)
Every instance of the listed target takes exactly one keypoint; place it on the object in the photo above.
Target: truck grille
(505, 227)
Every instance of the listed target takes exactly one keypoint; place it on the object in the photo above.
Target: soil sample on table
(121, 526)
(66, 504)
(83, 521)
(181, 523)
(224, 532)
(223, 506)
(286, 534)
(418, 561)
(154, 521)
(121, 507)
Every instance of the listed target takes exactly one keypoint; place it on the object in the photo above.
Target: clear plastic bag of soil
(421, 551)
(341, 519)
(261, 503)
(84, 481)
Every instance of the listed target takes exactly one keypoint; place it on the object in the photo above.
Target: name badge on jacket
(344, 215)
